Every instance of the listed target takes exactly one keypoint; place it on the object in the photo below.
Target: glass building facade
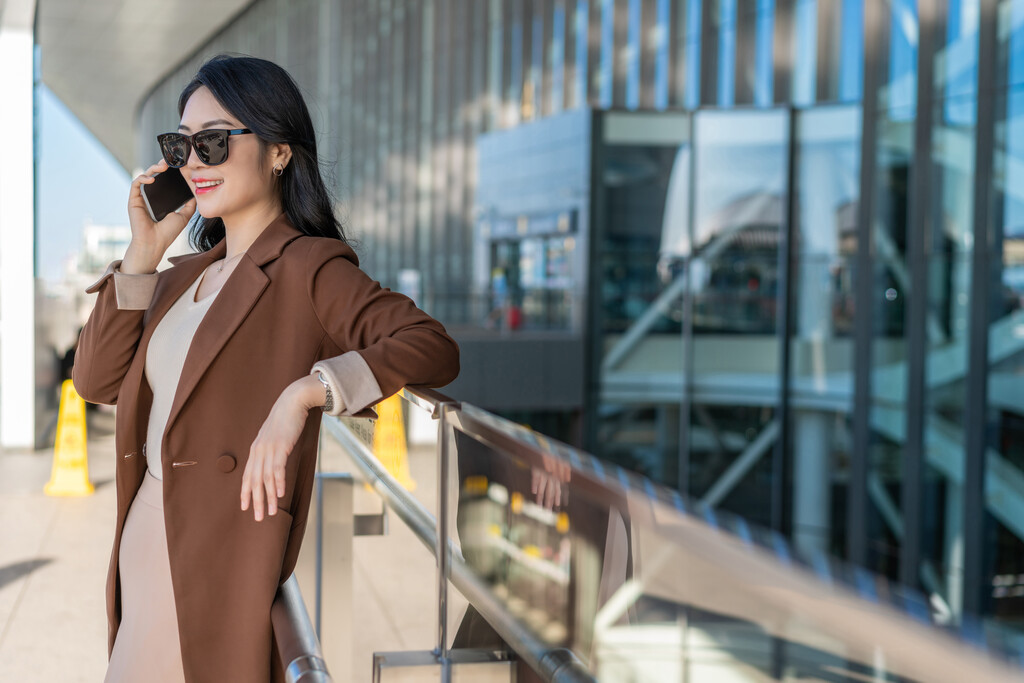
(795, 269)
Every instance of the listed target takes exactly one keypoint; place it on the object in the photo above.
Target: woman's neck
(242, 229)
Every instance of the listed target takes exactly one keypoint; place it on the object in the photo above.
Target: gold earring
(278, 170)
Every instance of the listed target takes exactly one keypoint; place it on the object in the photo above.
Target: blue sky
(78, 180)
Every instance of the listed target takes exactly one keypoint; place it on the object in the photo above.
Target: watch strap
(329, 405)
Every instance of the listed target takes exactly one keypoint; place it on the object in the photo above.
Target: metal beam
(741, 465)
(593, 323)
(784, 327)
(976, 399)
(919, 223)
(857, 500)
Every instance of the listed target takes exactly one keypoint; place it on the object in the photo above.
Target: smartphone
(168, 192)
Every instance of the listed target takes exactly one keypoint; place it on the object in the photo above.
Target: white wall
(17, 228)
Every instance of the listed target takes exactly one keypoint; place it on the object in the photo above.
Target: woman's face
(240, 185)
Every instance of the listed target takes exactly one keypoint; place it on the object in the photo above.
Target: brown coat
(291, 301)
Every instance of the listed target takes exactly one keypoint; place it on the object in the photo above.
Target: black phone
(168, 192)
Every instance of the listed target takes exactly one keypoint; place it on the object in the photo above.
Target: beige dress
(147, 647)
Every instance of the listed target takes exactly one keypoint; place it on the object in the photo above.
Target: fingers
(557, 468)
(252, 488)
(246, 489)
(147, 176)
(554, 496)
(270, 486)
(158, 167)
(547, 491)
(279, 475)
(263, 481)
(188, 209)
(135, 200)
(252, 485)
(547, 487)
(171, 225)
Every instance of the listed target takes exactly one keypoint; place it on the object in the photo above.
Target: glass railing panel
(510, 532)
(642, 584)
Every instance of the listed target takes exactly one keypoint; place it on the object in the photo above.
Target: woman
(221, 367)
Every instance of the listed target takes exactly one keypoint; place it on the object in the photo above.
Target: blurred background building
(767, 252)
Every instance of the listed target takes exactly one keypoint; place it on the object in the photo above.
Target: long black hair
(266, 99)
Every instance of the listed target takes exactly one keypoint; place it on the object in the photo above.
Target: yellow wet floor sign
(389, 441)
(70, 474)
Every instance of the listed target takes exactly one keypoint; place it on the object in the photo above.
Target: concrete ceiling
(102, 56)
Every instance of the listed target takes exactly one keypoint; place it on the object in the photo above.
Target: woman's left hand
(265, 470)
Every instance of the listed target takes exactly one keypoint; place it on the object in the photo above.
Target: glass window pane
(1005, 414)
(606, 75)
(740, 194)
(693, 38)
(646, 191)
(891, 279)
(726, 52)
(851, 57)
(956, 64)
(821, 342)
(1011, 37)
(764, 67)
(949, 250)
(900, 91)
(633, 54)
(806, 35)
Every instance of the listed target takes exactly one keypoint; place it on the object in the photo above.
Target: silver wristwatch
(329, 406)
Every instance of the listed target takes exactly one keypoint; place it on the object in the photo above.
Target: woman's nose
(193, 159)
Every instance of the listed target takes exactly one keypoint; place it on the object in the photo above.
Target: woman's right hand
(150, 240)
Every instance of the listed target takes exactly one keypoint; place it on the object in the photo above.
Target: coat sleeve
(111, 335)
(386, 341)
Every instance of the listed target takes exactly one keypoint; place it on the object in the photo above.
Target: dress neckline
(194, 290)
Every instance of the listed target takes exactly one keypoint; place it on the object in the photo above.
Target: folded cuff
(134, 292)
(353, 386)
(107, 274)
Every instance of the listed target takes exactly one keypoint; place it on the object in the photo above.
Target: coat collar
(235, 299)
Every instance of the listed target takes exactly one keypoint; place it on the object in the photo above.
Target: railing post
(334, 568)
(442, 551)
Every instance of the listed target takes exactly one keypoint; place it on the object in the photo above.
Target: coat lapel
(236, 298)
(173, 283)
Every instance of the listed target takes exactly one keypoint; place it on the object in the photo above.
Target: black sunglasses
(211, 146)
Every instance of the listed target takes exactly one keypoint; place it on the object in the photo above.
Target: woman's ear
(280, 153)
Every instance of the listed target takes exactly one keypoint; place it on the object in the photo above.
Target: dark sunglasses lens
(174, 147)
(212, 146)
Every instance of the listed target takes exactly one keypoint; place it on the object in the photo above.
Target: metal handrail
(297, 644)
(554, 665)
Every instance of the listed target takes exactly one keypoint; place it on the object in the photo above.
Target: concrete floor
(54, 554)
